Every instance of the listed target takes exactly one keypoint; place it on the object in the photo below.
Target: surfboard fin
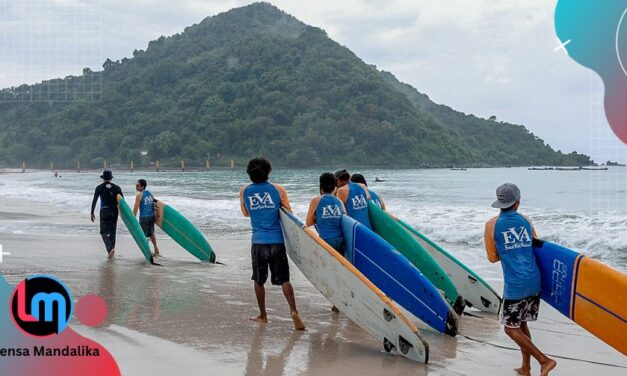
(387, 315)
(388, 346)
(404, 345)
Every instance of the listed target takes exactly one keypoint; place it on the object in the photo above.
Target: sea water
(583, 210)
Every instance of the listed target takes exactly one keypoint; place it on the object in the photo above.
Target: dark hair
(258, 170)
(342, 175)
(327, 182)
(359, 178)
(142, 182)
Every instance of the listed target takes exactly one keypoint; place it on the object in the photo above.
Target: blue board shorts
(515, 311)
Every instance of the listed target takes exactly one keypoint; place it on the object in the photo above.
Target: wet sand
(192, 318)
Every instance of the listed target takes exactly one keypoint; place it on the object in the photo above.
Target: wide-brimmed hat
(106, 175)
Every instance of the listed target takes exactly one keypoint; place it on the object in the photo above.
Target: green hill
(250, 81)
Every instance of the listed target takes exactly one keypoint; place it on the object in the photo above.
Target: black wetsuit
(107, 192)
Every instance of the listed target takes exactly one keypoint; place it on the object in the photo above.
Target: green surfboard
(384, 225)
(183, 232)
(133, 227)
(477, 292)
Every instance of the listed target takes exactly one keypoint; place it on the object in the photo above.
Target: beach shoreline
(189, 316)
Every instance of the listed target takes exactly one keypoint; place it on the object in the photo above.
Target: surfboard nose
(451, 324)
(459, 305)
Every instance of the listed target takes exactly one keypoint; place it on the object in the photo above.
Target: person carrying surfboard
(145, 204)
(355, 197)
(325, 212)
(261, 201)
(107, 193)
(508, 238)
(374, 197)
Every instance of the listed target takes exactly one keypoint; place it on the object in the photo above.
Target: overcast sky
(486, 57)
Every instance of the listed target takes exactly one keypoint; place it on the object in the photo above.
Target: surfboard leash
(553, 355)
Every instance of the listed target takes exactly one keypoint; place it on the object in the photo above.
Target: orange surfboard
(587, 291)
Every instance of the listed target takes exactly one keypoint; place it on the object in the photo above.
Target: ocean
(583, 210)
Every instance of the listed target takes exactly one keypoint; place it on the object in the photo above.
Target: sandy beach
(187, 317)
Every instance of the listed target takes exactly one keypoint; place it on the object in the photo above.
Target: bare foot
(298, 323)
(111, 254)
(523, 371)
(259, 319)
(157, 252)
(547, 367)
(334, 309)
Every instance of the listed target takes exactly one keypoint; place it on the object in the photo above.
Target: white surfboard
(346, 288)
(477, 292)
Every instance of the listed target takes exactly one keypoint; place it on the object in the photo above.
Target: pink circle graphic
(91, 310)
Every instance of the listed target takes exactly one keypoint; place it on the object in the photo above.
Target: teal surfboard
(477, 292)
(133, 227)
(183, 232)
(386, 227)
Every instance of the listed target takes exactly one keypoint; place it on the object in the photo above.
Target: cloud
(486, 57)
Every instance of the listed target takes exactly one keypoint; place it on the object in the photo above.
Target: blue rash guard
(329, 216)
(375, 198)
(263, 202)
(513, 236)
(146, 205)
(357, 204)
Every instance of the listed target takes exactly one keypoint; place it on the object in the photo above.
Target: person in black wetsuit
(107, 192)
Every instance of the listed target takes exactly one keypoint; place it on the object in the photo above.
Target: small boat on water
(458, 169)
(594, 168)
(540, 168)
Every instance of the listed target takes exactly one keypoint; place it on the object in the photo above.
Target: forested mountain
(495, 143)
(250, 81)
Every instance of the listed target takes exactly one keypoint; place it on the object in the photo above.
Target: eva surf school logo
(516, 238)
(41, 306)
(261, 201)
(359, 202)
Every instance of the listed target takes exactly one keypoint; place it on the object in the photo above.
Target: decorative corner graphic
(594, 34)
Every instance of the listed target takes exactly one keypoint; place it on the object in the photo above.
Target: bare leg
(526, 346)
(525, 369)
(288, 291)
(153, 239)
(260, 293)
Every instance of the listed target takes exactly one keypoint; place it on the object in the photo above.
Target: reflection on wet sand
(188, 318)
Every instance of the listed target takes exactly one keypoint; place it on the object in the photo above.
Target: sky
(484, 57)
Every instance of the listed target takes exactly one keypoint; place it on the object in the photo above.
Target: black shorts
(273, 256)
(148, 225)
(515, 311)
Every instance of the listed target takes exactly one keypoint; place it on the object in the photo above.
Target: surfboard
(133, 227)
(399, 279)
(386, 227)
(183, 232)
(476, 292)
(349, 290)
(585, 290)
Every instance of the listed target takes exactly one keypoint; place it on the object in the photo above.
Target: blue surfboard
(399, 279)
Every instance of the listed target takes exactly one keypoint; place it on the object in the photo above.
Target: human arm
(241, 203)
(138, 200)
(285, 202)
(93, 203)
(490, 245)
(311, 213)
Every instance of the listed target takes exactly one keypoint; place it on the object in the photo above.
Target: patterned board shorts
(515, 311)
